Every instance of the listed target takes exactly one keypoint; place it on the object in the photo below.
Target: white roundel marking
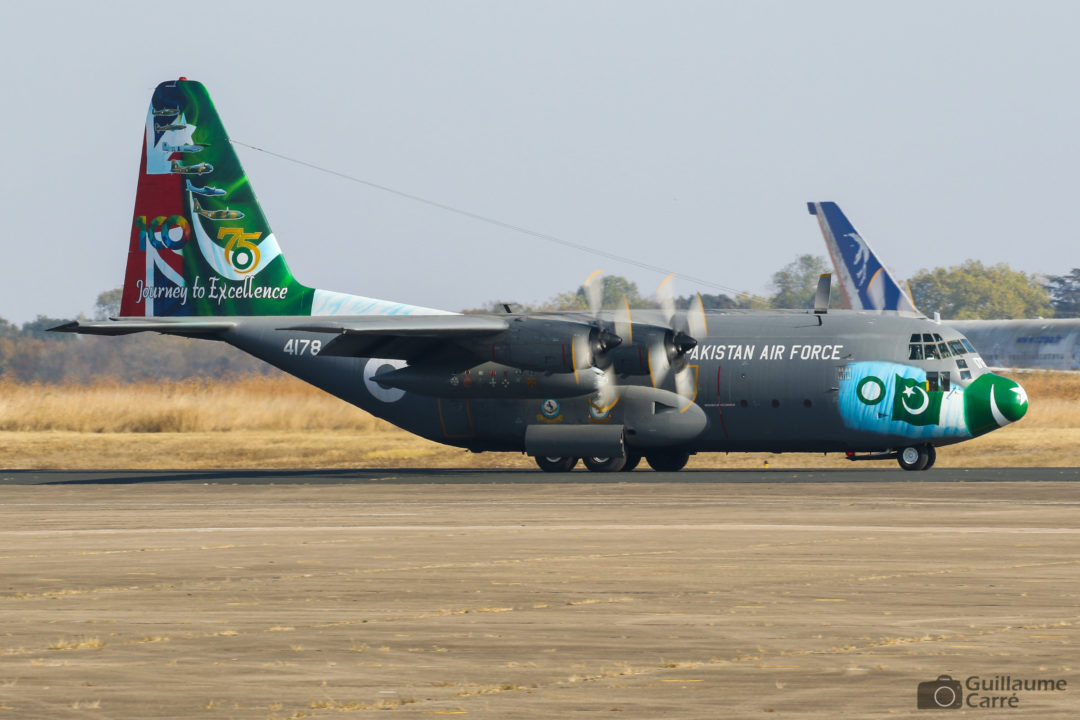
(870, 390)
(373, 367)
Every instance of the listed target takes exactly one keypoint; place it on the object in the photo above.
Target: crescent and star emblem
(925, 400)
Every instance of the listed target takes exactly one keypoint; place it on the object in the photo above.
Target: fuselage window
(946, 381)
(965, 374)
(968, 345)
(914, 352)
(957, 347)
(932, 381)
(962, 364)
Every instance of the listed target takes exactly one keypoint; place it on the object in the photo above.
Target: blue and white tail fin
(865, 283)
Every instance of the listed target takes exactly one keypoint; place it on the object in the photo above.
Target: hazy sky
(685, 135)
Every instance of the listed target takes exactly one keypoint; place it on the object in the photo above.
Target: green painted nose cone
(993, 401)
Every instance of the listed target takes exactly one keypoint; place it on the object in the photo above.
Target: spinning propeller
(666, 346)
(678, 340)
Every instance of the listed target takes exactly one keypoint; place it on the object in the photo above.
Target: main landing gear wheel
(667, 460)
(917, 457)
(631, 462)
(605, 464)
(556, 464)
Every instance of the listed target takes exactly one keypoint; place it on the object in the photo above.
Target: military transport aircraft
(607, 386)
(207, 190)
(1035, 343)
(225, 214)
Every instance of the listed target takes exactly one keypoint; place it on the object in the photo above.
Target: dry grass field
(280, 422)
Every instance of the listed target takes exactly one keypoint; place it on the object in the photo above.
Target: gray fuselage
(766, 381)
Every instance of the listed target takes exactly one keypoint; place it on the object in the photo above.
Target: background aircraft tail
(865, 283)
(200, 244)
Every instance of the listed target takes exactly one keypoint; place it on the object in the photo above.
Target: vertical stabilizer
(200, 244)
(865, 283)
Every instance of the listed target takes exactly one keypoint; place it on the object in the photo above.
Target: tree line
(967, 291)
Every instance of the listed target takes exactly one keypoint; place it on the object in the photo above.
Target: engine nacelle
(633, 359)
(490, 380)
(547, 345)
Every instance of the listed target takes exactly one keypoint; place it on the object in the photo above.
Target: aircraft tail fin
(200, 244)
(183, 257)
(865, 283)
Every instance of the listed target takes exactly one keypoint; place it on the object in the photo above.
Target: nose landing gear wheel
(556, 464)
(917, 457)
(667, 460)
(932, 454)
(605, 464)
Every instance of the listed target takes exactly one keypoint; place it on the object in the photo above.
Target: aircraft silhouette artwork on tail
(609, 387)
(1035, 343)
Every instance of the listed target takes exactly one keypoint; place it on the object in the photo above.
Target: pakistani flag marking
(913, 404)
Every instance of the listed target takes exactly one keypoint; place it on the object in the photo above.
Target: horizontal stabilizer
(179, 326)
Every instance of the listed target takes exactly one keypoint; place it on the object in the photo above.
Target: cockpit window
(931, 346)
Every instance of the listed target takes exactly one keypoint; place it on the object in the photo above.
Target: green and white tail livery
(200, 244)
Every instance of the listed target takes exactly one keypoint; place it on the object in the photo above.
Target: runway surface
(501, 477)
(502, 595)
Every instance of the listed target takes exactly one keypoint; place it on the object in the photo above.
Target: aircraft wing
(175, 326)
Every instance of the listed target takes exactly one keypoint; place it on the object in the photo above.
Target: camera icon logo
(941, 694)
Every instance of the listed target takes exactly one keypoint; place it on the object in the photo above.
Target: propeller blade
(607, 390)
(695, 318)
(659, 365)
(624, 325)
(580, 353)
(686, 382)
(666, 297)
(594, 291)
